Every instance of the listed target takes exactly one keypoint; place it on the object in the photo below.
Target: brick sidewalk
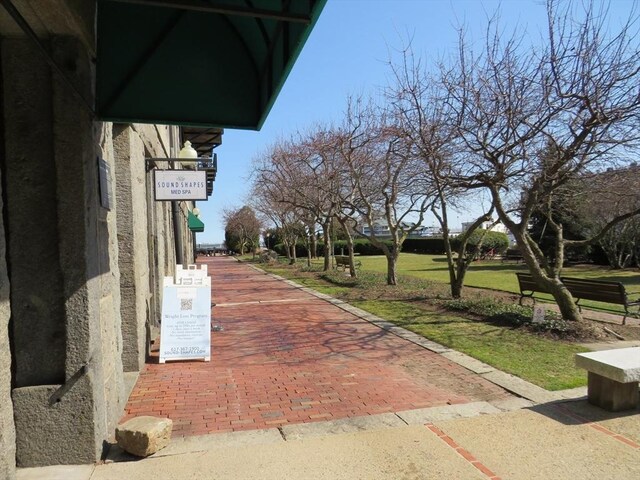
(294, 358)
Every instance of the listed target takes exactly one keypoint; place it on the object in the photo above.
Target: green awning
(206, 63)
(195, 224)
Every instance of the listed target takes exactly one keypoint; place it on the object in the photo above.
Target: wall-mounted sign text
(180, 185)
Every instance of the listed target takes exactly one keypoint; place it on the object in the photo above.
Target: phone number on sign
(184, 351)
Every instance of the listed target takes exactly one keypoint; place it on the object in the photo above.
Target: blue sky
(347, 53)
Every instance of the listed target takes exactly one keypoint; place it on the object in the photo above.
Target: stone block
(611, 395)
(55, 424)
(621, 365)
(144, 436)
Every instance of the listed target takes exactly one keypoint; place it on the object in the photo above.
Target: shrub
(433, 246)
(509, 313)
(496, 242)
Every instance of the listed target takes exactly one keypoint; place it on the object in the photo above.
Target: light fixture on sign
(187, 151)
(196, 211)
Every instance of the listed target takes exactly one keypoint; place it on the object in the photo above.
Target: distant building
(488, 225)
(381, 229)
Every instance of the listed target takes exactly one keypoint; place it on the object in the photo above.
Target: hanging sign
(185, 331)
(180, 184)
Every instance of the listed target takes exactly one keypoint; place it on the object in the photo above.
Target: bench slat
(581, 289)
(596, 290)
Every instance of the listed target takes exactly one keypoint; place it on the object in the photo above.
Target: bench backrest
(527, 283)
(342, 260)
(596, 290)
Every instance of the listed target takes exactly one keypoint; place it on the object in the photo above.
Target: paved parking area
(285, 356)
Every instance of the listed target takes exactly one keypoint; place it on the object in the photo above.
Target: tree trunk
(292, 257)
(392, 278)
(551, 282)
(566, 303)
(314, 245)
(457, 284)
(287, 250)
(327, 247)
(352, 267)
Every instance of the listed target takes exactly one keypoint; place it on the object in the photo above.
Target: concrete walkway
(302, 386)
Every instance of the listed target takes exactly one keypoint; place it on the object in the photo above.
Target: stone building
(89, 91)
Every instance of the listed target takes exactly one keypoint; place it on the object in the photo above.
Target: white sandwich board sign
(185, 331)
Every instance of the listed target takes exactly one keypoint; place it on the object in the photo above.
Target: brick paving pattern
(294, 358)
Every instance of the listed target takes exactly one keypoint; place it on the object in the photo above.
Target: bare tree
(577, 91)
(300, 173)
(421, 107)
(242, 229)
(600, 197)
(388, 184)
(266, 199)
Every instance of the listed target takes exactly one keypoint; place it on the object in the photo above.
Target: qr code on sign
(186, 303)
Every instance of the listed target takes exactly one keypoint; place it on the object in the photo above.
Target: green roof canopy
(197, 62)
(195, 224)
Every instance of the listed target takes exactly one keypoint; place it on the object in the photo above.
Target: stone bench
(613, 377)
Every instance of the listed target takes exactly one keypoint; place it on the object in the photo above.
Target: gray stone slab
(422, 416)
(355, 311)
(335, 301)
(513, 403)
(433, 346)
(380, 323)
(56, 472)
(468, 362)
(347, 425)
(621, 365)
(520, 387)
(315, 293)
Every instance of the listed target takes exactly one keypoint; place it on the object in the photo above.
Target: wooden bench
(512, 254)
(613, 377)
(582, 289)
(342, 261)
(528, 284)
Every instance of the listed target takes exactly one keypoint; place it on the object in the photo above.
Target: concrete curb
(293, 432)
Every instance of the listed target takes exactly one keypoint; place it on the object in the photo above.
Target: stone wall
(7, 428)
(63, 252)
(82, 282)
(135, 287)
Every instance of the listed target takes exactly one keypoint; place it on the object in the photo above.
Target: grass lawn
(547, 363)
(496, 275)
(303, 279)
